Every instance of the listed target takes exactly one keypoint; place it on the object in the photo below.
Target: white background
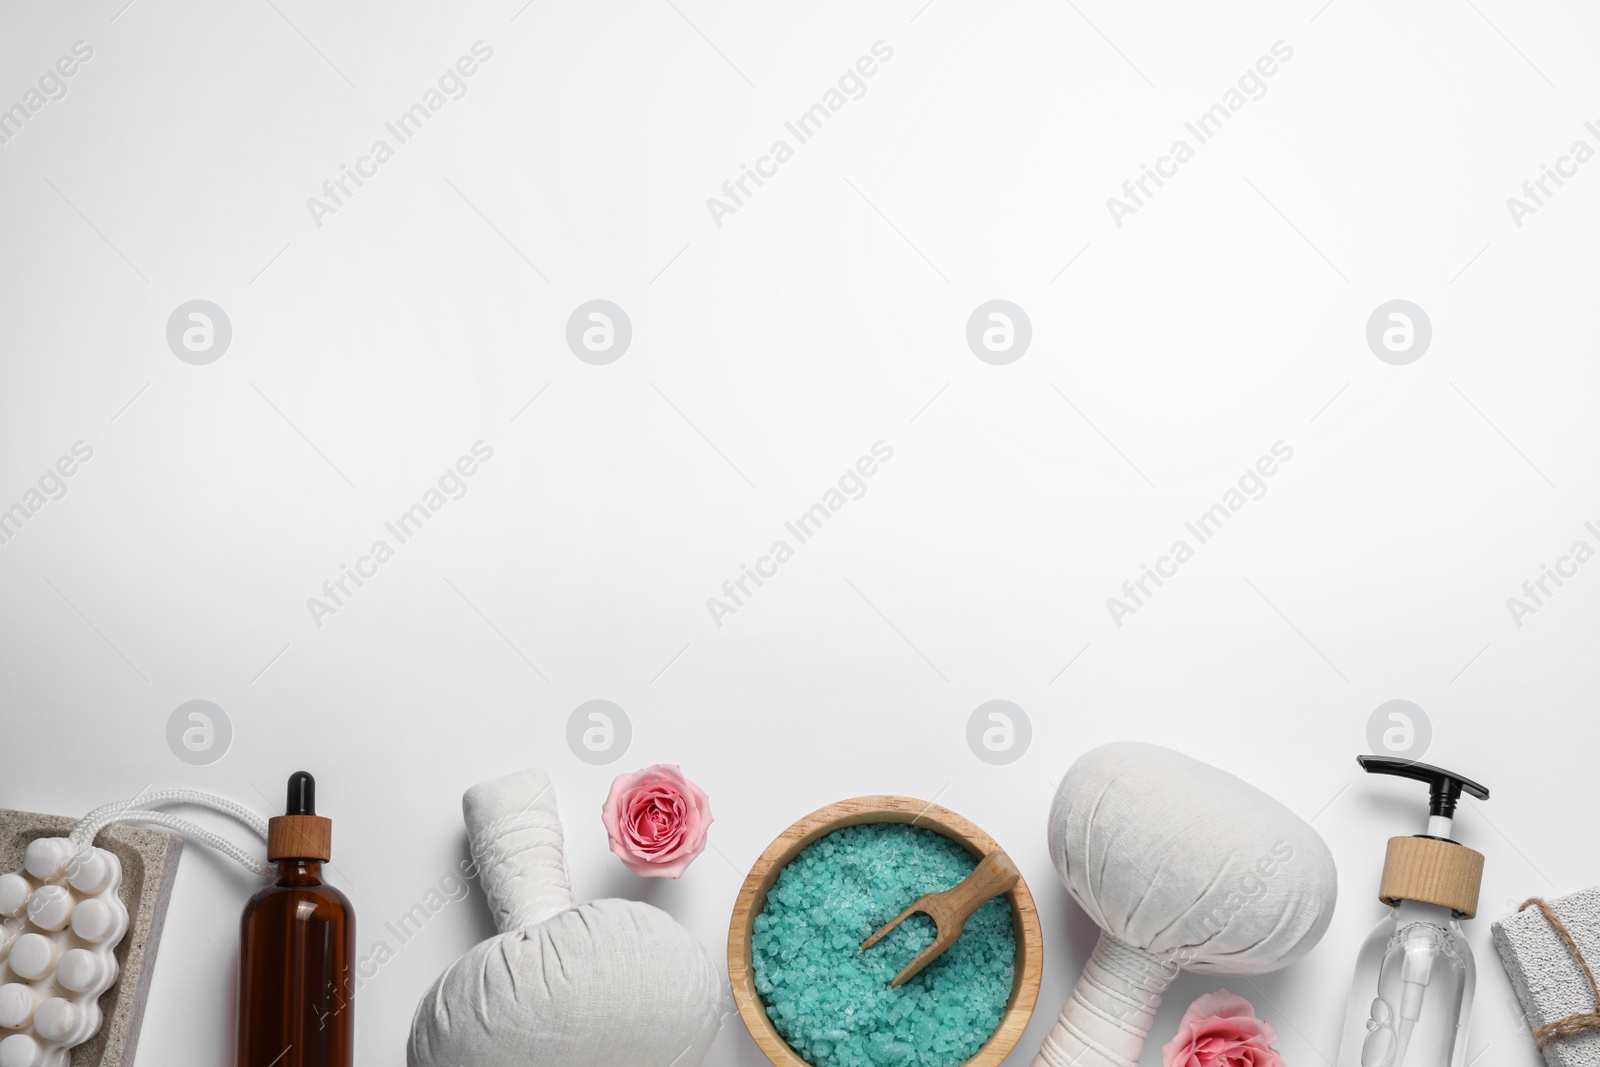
(768, 354)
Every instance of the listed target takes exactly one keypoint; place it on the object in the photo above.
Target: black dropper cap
(300, 833)
(1444, 787)
(302, 794)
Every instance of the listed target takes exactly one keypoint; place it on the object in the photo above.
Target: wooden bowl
(861, 810)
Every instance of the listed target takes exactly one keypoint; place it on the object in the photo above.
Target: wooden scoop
(950, 910)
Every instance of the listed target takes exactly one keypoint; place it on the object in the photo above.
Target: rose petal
(1221, 1004)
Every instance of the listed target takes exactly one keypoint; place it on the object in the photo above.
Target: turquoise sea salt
(831, 1002)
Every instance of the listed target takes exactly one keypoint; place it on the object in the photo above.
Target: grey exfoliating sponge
(1549, 982)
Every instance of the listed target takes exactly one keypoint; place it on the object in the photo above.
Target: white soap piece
(46, 857)
(14, 893)
(55, 1020)
(95, 921)
(21, 1050)
(86, 971)
(17, 1002)
(15, 889)
(33, 957)
(50, 907)
(93, 872)
(63, 956)
(62, 1021)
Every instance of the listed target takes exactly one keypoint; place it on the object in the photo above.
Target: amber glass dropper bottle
(297, 945)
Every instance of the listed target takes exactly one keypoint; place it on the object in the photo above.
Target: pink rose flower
(657, 821)
(1221, 1030)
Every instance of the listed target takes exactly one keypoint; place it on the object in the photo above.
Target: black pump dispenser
(1444, 787)
(1415, 976)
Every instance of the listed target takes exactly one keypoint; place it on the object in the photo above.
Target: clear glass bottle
(1417, 968)
(1415, 974)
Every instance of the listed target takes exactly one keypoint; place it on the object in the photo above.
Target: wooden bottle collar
(1433, 871)
(299, 837)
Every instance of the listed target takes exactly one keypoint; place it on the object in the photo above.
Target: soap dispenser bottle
(297, 948)
(1415, 974)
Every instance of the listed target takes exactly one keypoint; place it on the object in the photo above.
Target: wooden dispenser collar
(1432, 871)
(299, 837)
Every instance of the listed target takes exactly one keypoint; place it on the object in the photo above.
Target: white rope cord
(90, 825)
(147, 801)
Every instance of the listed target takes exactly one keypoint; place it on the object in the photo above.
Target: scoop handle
(995, 874)
(1108, 1017)
(514, 831)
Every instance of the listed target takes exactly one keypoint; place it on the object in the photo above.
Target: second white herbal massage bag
(605, 984)
(1183, 867)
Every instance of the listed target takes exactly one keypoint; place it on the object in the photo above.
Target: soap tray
(67, 959)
